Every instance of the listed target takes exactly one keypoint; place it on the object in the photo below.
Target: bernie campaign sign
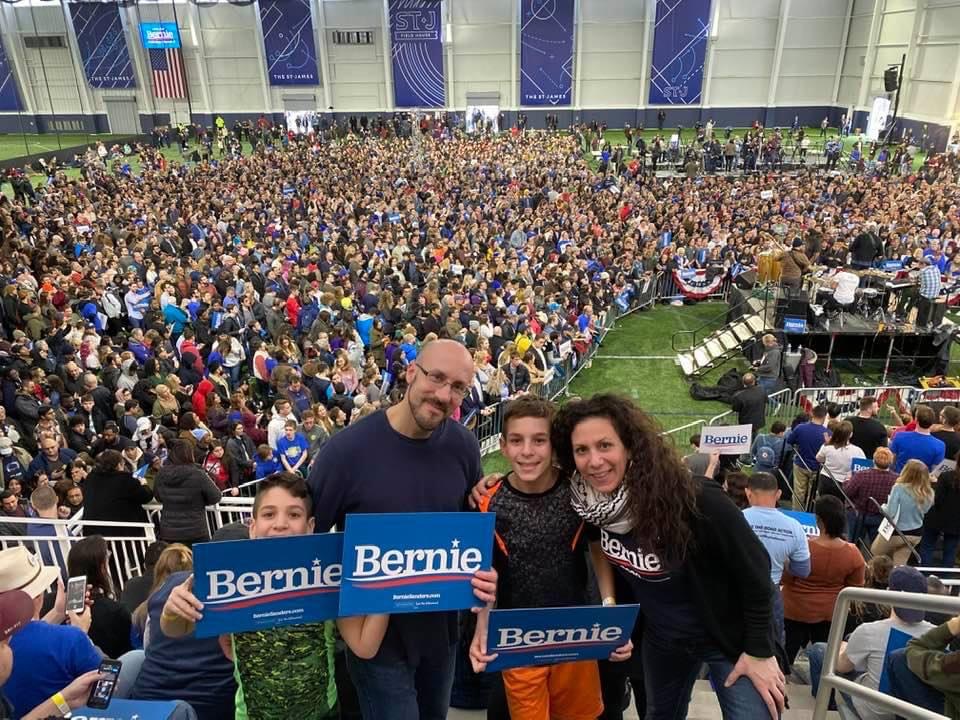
(259, 584)
(726, 439)
(127, 710)
(545, 636)
(807, 520)
(413, 562)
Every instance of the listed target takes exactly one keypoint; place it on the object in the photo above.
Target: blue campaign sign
(259, 584)
(807, 520)
(546, 636)
(160, 35)
(858, 464)
(413, 562)
(127, 710)
(795, 325)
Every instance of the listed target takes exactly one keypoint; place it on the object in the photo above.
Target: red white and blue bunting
(695, 284)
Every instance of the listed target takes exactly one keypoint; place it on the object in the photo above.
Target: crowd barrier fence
(126, 543)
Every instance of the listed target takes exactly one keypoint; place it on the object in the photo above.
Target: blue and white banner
(288, 42)
(9, 97)
(258, 584)
(679, 51)
(102, 45)
(416, 47)
(807, 520)
(546, 636)
(546, 52)
(160, 35)
(413, 562)
(127, 710)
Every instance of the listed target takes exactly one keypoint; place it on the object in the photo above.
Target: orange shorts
(568, 691)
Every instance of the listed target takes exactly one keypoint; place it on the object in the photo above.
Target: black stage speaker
(793, 306)
(937, 315)
(746, 280)
(891, 79)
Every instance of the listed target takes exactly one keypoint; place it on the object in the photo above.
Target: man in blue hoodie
(807, 439)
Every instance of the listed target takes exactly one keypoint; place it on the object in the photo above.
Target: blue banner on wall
(102, 45)
(679, 51)
(413, 562)
(258, 584)
(288, 42)
(417, 50)
(546, 52)
(546, 636)
(9, 97)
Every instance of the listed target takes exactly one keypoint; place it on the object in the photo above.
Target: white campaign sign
(726, 439)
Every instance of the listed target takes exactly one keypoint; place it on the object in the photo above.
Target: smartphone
(102, 690)
(76, 593)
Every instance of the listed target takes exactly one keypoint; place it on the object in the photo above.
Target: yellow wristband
(608, 601)
(61, 702)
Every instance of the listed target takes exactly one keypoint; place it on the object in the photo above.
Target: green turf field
(15, 145)
(636, 359)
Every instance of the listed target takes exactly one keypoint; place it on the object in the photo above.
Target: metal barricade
(848, 398)
(939, 398)
(830, 680)
(228, 510)
(127, 543)
(678, 435)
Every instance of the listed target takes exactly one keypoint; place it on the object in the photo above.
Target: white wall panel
(470, 12)
(896, 28)
(741, 63)
(804, 90)
(814, 32)
(859, 34)
(742, 92)
(357, 75)
(937, 62)
(611, 12)
(809, 62)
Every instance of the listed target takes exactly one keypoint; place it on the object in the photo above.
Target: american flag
(169, 80)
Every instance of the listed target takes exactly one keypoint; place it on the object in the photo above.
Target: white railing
(228, 510)
(126, 542)
(830, 680)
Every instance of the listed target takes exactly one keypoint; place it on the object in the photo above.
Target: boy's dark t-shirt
(868, 434)
(539, 551)
(371, 468)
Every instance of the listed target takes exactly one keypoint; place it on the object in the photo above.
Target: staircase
(709, 349)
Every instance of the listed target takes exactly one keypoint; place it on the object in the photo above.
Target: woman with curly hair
(688, 556)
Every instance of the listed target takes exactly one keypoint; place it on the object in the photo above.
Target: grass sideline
(14, 144)
(658, 385)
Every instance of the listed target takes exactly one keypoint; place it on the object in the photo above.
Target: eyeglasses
(438, 380)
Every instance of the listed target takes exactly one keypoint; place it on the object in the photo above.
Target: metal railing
(848, 397)
(228, 510)
(127, 547)
(830, 680)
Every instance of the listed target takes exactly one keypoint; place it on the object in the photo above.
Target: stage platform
(856, 338)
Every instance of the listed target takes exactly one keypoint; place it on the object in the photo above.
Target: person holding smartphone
(50, 656)
(16, 612)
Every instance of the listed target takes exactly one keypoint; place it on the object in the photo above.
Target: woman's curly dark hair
(661, 493)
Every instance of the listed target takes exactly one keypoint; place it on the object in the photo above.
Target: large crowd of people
(290, 311)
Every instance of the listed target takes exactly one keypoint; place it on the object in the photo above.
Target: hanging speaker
(891, 79)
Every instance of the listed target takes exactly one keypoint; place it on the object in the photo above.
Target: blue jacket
(40, 463)
(807, 438)
(172, 315)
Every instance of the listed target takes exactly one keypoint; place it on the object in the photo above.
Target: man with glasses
(409, 458)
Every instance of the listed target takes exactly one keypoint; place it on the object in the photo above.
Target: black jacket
(944, 516)
(751, 406)
(728, 571)
(113, 496)
(184, 491)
